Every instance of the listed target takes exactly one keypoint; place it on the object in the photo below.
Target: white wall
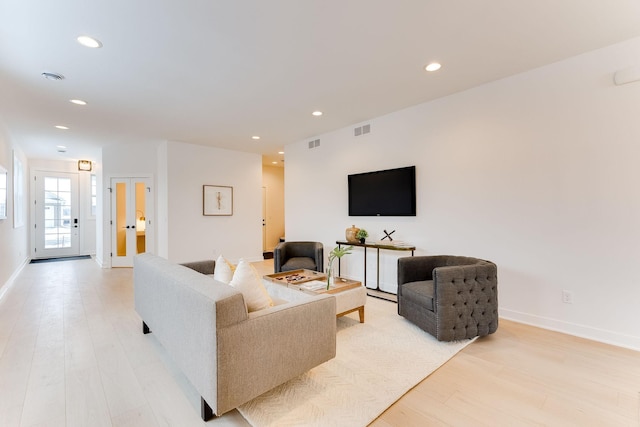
(179, 171)
(273, 182)
(13, 247)
(192, 236)
(537, 172)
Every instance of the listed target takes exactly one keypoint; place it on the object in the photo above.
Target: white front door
(131, 229)
(56, 222)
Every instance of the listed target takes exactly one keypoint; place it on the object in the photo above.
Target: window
(3, 193)
(18, 192)
(57, 213)
(94, 195)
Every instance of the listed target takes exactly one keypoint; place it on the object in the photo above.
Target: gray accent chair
(288, 256)
(451, 297)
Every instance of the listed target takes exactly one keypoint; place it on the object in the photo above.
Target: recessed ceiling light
(275, 163)
(255, 137)
(78, 101)
(317, 113)
(89, 41)
(61, 148)
(434, 66)
(61, 127)
(280, 152)
(52, 76)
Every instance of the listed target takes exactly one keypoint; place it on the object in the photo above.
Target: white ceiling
(216, 72)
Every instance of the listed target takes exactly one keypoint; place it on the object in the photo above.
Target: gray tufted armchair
(289, 256)
(451, 297)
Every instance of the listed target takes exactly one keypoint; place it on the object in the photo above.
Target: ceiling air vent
(52, 76)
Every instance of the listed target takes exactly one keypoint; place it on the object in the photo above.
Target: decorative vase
(329, 277)
(351, 233)
(362, 239)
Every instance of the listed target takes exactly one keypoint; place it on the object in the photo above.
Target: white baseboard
(582, 331)
(5, 288)
(99, 261)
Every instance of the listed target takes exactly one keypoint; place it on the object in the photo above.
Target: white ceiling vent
(52, 76)
(314, 143)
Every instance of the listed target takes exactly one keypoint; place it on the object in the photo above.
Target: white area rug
(376, 363)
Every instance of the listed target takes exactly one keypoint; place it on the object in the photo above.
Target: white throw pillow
(223, 271)
(247, 280)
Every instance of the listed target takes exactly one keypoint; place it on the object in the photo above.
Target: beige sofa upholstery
(230, 356)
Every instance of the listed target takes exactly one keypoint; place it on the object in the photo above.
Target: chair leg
(205, 410)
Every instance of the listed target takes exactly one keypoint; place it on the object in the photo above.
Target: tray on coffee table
(295, 277)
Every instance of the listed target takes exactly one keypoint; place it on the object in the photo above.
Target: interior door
(264, 219)
(130, 219)
(56, 224)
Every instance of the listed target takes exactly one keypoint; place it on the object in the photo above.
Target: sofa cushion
(247, 280)
(421, 293)
(298, 263)
(223, 271)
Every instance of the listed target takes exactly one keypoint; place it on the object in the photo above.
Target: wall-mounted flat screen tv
(390, 192)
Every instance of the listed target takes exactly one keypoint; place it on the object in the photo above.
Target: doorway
(131, 231)
(56, 224)
(272, 208)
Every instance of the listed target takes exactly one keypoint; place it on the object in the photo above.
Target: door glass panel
(94, 195)
(141, 218)
(121, 219)
(57, 213)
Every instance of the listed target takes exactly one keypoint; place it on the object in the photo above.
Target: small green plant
(337, 252)
(362, 234)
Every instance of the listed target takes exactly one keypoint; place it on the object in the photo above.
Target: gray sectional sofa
(229, 355)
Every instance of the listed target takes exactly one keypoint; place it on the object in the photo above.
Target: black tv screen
(390, 192)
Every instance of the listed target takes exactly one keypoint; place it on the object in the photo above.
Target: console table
(389, 246)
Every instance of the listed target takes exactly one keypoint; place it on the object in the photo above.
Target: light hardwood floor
(72, 353)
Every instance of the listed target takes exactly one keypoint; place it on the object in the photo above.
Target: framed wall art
(217, 200)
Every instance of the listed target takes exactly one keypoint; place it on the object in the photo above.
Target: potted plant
(337, 252)
(362, 235)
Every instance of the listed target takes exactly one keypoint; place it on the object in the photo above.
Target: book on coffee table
(314, 285)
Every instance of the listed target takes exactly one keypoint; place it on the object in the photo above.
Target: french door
(56, 224)
(130, 219)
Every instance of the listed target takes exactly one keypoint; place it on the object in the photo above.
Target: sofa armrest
(272, 347)
(466, 299)
(319, 253)
(278, 257)
(203, 267)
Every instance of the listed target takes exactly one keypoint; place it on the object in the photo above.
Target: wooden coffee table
(350, 295)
